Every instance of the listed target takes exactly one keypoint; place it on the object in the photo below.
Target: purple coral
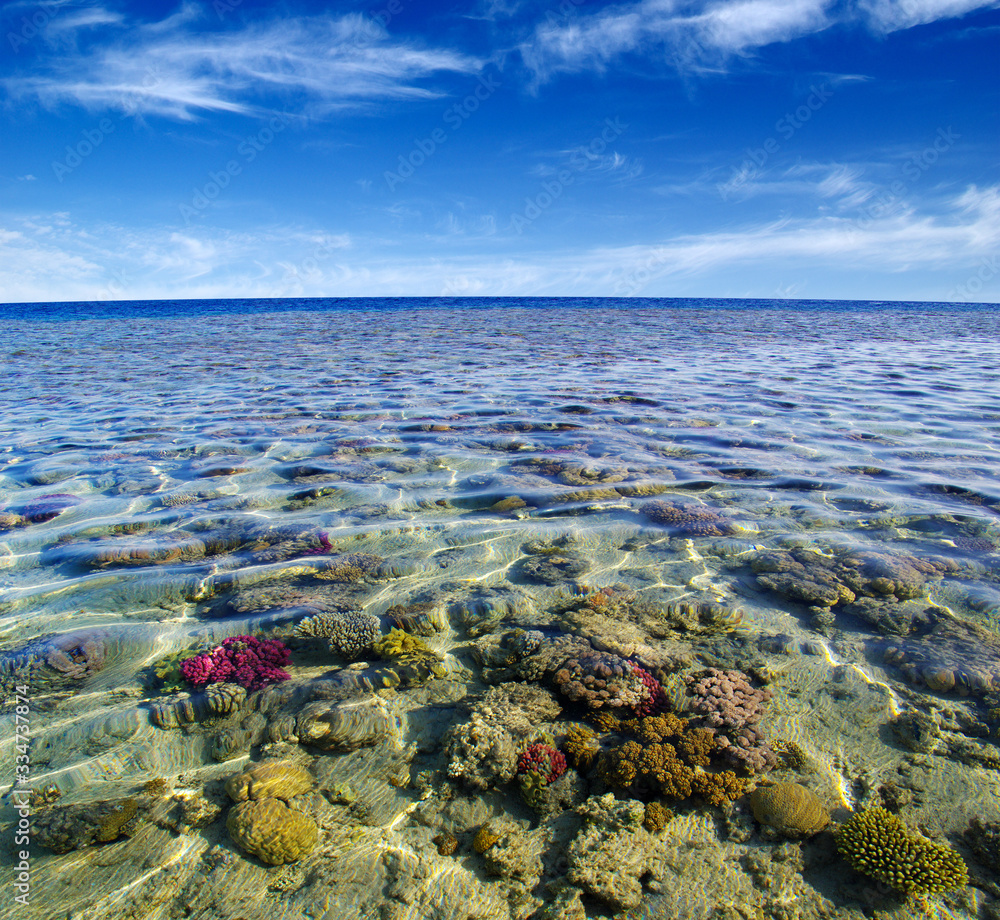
(245, 660)
(730, 707)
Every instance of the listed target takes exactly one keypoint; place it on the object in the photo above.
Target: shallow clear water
(161, 465)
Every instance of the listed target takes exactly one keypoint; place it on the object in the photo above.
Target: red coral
(244, 660)
(543, 759)
(657, 701)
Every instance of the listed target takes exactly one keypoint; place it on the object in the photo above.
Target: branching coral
(245, 660)
(877, 843)
(350, 635)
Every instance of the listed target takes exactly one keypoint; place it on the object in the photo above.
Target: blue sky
(721, 148)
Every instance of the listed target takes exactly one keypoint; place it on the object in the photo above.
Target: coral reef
(318, 599)
(117, 823)
(349, 634)
(609, 855)
(581, 746)
(955, 656)
(166, 674)
(872, 586)
(666, 757)
(656, 817)
(345, 726)
(401, 647)
(446, 844)
(483, 751)
(78, 655)
(479, 609)
(421, 618)
(687, 518)
(542, 759)
(878, 844)
(484, 839)
(351, 567)
(245, 660)
(277, 779)
(728, 706)
(598, 680)
(47, 507)
(538, 767)
(63, 828)
(271, 831)
(790, 808)
(553, 562)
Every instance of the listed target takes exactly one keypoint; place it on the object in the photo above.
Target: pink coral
(250, 662)
(730, 707)
(543, 759)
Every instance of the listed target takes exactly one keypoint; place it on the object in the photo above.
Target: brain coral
(791, 809)
(877, 843)
(271, 831)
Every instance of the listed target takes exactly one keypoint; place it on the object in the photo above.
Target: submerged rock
(279, 779)
(342, 727)
(610, 854)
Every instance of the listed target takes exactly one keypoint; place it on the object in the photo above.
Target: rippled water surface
(175, 474)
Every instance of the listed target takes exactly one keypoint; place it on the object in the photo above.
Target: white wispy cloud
(892, 15)
(50, 258)
(172, 69)
(696, 35)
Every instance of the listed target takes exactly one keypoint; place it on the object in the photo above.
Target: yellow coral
(269, 779)
(581, 746)
(877, 843)
(484, 839)
(271, 831)
(112, 826)
(400, 646)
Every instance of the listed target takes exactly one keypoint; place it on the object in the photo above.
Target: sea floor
(493, 552)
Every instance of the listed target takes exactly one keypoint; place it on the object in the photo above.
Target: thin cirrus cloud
(169, 68)
(110, 263)
(698, 35)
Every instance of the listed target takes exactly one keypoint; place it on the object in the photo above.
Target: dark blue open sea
(441, 609)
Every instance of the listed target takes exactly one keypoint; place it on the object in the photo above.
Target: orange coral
(719, 788)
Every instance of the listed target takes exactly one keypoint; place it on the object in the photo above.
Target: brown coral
(581, 746)
(119, 822)
(269, 779)
(656, 817)
(484, 839)
(271, 831)
(791, 809)
(688, 518)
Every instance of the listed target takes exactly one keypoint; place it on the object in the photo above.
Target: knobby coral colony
(601, 680)
(245, 660)
(538, 766)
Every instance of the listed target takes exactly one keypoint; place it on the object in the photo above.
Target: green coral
(167, 677)
(877, 843)
(401, 647)
(533, 787)
(114, 825)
